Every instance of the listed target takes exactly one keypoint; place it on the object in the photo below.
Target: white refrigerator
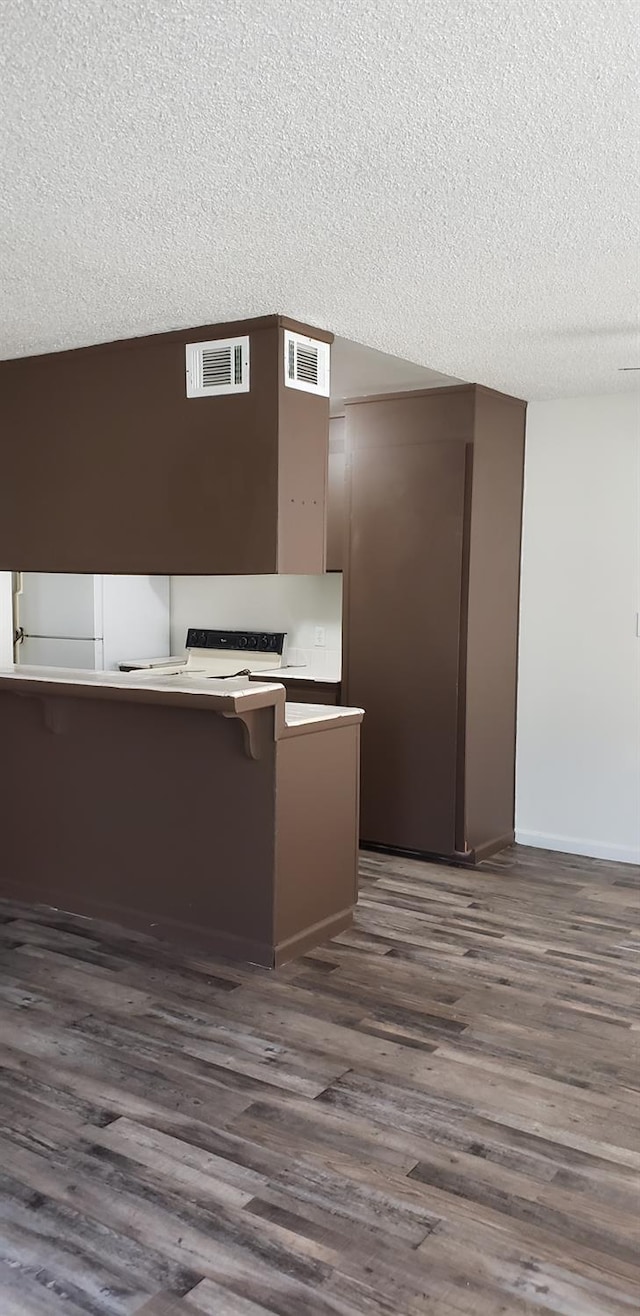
(89, 621)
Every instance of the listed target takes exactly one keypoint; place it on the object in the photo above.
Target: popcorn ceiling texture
(455, 183)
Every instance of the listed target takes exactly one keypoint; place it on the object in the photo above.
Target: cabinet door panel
(403, 609)
(312, 693)
(336, 496)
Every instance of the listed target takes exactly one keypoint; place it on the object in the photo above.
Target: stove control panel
(271, 642)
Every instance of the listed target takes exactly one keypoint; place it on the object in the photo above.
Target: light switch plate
(321, 637)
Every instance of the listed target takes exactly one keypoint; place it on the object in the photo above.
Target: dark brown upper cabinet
(108, 466)
(434, 491)
(336, 496)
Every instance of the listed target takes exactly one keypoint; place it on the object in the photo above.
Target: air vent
(217, 368)
(306, 364)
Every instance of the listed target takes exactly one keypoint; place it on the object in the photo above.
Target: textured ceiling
(454, 183)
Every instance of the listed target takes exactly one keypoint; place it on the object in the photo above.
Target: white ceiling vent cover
(217, 368)
(306, 364)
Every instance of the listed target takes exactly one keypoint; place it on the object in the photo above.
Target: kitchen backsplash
(300, 605)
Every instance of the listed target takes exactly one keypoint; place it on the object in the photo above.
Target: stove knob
(243, 641)
(253, 643)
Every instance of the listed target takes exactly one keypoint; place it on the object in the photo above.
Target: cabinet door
(313, 693)
(336, 496)
(403, 606)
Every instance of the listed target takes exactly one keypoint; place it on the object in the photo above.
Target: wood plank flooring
(436, 1114)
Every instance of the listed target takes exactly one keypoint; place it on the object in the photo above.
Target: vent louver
(217, 368)
(306, 364)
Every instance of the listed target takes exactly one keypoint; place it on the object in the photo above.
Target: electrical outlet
(321, 637)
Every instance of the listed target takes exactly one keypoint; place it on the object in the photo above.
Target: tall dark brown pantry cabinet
(433, 525)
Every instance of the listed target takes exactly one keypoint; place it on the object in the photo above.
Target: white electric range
(218, 654)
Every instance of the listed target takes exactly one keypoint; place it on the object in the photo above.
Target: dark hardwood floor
(437, 1113)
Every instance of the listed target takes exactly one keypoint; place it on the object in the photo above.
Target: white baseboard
(620, 854)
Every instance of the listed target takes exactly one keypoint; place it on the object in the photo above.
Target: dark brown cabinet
(336, 495)
(108, 466)
(431, 615)
(303, 692)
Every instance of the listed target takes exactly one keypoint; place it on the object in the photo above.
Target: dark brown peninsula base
(200, 813)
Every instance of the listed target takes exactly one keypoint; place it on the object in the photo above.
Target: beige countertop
(310, 675)
(236, 696)
(298, 714)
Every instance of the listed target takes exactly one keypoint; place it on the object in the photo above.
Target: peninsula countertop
(231, 696)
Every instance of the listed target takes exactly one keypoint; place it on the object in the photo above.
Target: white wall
(578, 759)
(296, 604)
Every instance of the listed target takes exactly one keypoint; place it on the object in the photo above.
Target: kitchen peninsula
(201, 811)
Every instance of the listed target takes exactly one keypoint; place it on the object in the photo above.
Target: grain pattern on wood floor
(435, 1114)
